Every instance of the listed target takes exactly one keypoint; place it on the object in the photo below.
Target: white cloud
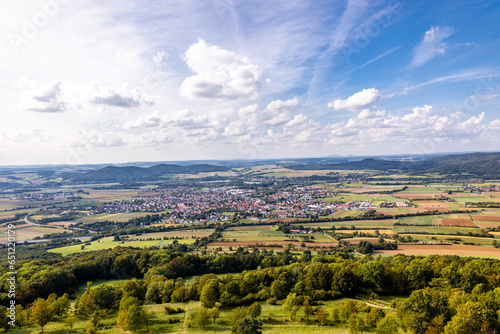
(46, 99)
(431, 46)
(155, 138)
(147, 121)
(122, 97)
(159, 58)
(128, 58)
(358, 101)
(220, 74)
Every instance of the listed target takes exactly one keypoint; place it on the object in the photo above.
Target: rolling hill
(133, 174)
(485, 165)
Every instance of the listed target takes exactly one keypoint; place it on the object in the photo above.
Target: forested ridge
(132, 173)
(478, 164)
(444, 290)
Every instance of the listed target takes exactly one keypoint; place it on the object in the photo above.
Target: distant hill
(133, 174)
(485, 165)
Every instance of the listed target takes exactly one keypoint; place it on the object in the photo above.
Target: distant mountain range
(485, 165)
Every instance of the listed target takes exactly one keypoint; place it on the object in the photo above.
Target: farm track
(474, 221)
(41, 225)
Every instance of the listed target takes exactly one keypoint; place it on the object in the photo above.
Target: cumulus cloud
(252, 119)
(119, 97)
(147, 121)
(277, 127)
(155, 138)
(431, 46)
(358, 101)
(220, 74)
(47, 99)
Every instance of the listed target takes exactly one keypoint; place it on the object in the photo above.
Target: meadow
(107, 243)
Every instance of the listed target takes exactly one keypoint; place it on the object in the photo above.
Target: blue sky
(133, 80)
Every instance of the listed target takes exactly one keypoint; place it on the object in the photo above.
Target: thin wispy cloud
(432, 45)
(380, 56)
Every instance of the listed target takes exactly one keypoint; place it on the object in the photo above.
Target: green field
(349, 223)
(254, 235)
(189, 234)
(451, 230)
(418, 220)
(412, 190)
(107, 243)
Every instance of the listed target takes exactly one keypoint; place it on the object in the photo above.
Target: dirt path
(41, 225)
(474, 221)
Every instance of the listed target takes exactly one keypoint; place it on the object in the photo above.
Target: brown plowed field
(493, 225)
(463, 250)
(487, 218)
(455, 222)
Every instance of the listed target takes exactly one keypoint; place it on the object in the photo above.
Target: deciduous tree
(41, 312)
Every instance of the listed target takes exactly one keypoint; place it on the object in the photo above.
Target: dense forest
(447, 293)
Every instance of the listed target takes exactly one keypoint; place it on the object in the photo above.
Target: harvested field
(435, 204)
(30, 232)
(454, 249)
(356, 241)
(455, 222)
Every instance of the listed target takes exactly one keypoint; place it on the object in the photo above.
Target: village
(181, 205)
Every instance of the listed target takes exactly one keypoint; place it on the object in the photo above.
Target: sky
(127, 80)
